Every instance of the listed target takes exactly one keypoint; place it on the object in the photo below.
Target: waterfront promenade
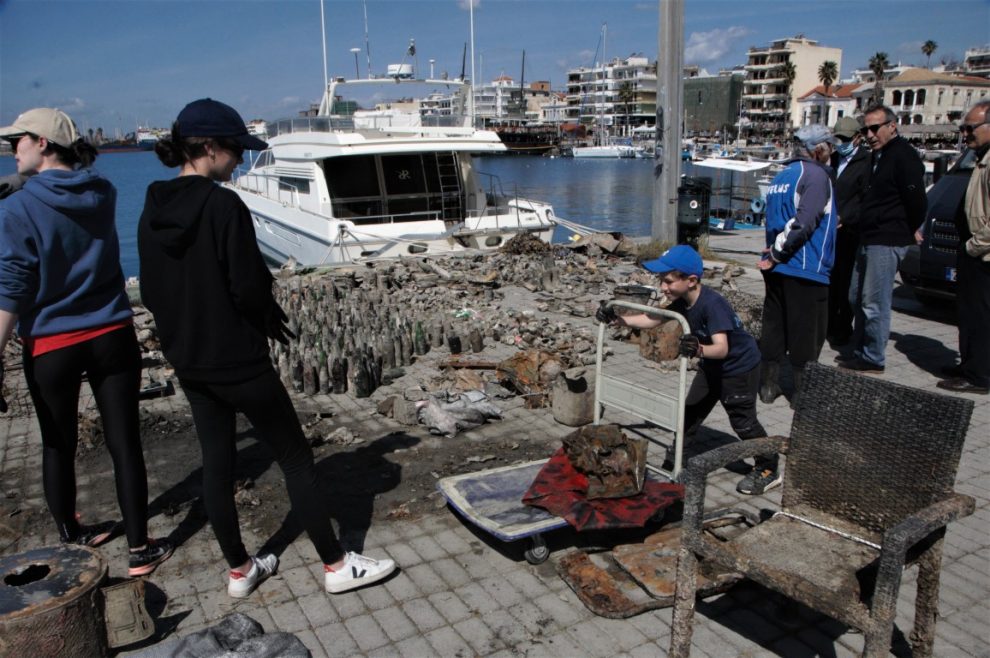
(460, 593)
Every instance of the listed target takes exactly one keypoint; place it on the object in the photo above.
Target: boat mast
(323, 33)
(367, 42)
(471, 97)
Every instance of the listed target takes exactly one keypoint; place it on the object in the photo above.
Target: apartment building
(977, 61)
(620, 95)
(769, 96)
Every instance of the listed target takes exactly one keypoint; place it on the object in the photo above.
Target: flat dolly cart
(492, 499)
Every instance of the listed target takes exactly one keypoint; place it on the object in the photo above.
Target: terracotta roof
(840, 91)
(917, 75)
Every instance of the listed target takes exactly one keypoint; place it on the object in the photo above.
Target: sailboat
(603, 147)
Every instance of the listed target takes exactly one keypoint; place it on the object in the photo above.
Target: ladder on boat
(450, 187)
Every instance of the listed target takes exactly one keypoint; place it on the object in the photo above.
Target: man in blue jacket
(797, 262)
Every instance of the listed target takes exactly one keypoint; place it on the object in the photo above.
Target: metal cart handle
(682, 377)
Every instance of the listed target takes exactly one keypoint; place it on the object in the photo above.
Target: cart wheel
(538, 552)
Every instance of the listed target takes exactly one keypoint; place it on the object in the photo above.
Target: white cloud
(70, 105)
(289, 101)
(704, 47)
(466, 4)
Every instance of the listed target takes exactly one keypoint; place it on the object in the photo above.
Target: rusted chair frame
(877, 618)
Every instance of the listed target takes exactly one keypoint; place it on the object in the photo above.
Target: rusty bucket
(50, 603)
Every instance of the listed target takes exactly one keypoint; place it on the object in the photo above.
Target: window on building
(920, 97)
(897, 97)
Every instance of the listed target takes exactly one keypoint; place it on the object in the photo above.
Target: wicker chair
(868, 488)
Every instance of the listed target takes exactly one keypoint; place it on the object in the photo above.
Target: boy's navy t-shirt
(710, 315)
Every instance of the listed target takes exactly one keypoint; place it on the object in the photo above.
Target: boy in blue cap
(730, 358)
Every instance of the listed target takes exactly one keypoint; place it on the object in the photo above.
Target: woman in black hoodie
(203, 278)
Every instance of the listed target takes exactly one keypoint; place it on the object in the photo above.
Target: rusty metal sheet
(653, 565)
(634, 578)
(605, 591)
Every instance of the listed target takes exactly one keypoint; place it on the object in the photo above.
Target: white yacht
(346, 184)
(607, 151)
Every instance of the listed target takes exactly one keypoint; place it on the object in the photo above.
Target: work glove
(277, 329)
(689, 346)
(605, 314)
(3, 401)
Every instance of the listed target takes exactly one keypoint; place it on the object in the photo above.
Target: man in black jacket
(893, 209)
(851, 163)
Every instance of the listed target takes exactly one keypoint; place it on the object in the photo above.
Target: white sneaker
(240, 585)
(357, 571)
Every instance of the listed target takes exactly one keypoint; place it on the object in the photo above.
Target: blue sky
(115, 64)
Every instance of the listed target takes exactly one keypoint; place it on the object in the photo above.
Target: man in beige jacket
(972, 375)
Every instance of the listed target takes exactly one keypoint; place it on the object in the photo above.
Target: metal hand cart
(492, 499)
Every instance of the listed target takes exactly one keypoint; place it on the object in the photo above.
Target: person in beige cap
(851, 162)
(62, 286)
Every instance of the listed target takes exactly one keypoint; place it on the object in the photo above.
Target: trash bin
(693, 197)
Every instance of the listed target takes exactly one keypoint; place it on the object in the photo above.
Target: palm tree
(928, 48)
(827, 73)
(627, 96)
(878, 64)
(788, 72)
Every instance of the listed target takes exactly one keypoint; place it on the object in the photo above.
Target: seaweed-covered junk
(531, 373)
(524, 243)
(614, 463)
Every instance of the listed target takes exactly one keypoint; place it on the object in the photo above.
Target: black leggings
(267, 406)
(112, 362)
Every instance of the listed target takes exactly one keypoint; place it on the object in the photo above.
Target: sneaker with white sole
(358, 571)
(240, 585)
(759, 481)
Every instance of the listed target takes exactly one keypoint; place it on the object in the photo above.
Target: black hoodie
(203, 278)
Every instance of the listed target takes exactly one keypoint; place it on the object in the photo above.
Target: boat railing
(497, 202)
(269, 186)
(327, 124)
(324, 124)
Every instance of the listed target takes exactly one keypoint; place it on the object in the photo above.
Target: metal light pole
(670, 110)
(357, 71)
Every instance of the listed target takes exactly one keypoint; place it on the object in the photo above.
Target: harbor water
(606, 195)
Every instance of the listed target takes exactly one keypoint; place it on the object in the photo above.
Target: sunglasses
(13, 139)
(875, 128)
(971, 127)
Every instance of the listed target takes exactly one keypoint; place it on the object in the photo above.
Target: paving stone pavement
(461, 593)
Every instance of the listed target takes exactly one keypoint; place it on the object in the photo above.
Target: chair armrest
(703, 464)
(901, 537)
(695, 474)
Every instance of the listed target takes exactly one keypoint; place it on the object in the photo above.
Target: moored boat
(347, 184)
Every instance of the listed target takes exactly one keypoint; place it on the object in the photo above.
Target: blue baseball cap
(209, 118)
(681, 258)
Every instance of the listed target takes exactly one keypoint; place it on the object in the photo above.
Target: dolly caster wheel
(538, 552)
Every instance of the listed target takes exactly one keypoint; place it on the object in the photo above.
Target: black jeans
(267, 406)
(738, 397)
(112, 362)
(840, 313)
(795, 318)
(973, 300)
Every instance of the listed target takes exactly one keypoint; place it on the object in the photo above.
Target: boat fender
(758, 205)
